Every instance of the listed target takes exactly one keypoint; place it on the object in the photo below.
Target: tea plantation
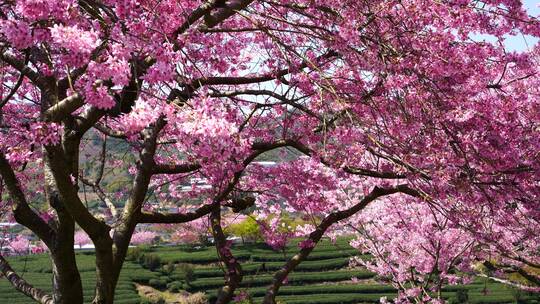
(323, 279)
(36, 269)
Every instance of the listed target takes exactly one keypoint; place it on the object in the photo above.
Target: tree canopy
(396, 121)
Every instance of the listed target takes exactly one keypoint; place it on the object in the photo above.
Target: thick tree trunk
(105, 283)
(121, 239)
(67, 286)
(66, 280)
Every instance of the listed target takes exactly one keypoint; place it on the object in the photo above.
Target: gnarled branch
(316, 235)
(22, 285)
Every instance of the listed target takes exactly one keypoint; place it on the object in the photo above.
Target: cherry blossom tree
(143, 237)
(81, 238)
(361, 100)
(20, 245)
(416, 247)
(193, 232)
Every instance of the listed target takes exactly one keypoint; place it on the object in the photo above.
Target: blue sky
(521, 43)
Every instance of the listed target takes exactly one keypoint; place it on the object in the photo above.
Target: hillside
(324, 278)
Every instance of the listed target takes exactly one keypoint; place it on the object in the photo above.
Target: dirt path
(155, 296)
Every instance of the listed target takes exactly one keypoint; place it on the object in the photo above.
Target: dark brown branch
(174, 218)
(373, 173)
(129, 218)
(101, 194)
(272, 94)
(175, 168)
(89, 119)
(261, 147)
(24, 215)
(197, 14)
(316, 235)
(219, 15)
(103, 157)
(258, 148)
(58, 162)
(529, 276)
(110, 132)
(233, 274)
(12, 91)
(22, 285)
(19, 65)
(197, 83)
(237, 204)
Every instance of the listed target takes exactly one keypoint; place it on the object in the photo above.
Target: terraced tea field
(323, 279)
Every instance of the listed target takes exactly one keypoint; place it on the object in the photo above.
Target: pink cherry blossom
(409, 125)
(143, 237)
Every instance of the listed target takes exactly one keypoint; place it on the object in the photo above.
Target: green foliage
(169, 268)
(346, 298)
(519, 296)
(248, 230)
(311, 283)
(175, 286)
(158, 283)
(36, 270)
(462, 296)
(257, 267)
(150, 261)
(134, 254)
(185, 272)
(294, 279)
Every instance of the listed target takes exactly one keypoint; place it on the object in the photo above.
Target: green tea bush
(134, 254)
(151, 261)
(185, 272)
(169, 268)
(175, 286)
(461, 297)
(158, 283)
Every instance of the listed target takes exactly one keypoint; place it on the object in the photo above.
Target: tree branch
(19, 65)
(237, 204)
(174, 218)
(57, 161)
(22, 285)
(221, 14)
(12, 91)
(316, 235)
(283, 99)
(24, 215)
(197, 14)
(197, 83)
(174, 168)
(63, 108)
(233, 275)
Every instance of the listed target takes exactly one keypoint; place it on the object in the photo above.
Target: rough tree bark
(20, 284)
(233, 275)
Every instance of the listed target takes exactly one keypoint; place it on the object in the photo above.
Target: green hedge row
(346, 298)
(252, 268)
(256, 252)
(315, 255)
(207, 284)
